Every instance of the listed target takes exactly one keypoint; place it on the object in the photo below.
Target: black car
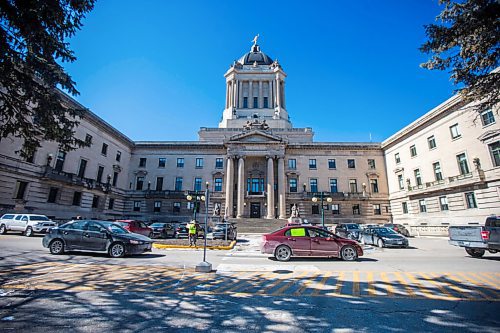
(182, 231)
(383, 237)
(225, 231)
(162, 230)
(399, 228)
(348, 230)
(92, 235)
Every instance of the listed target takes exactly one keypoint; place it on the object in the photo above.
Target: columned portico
(281, 187)
(241, 187)
(270, 187)
(229, 187)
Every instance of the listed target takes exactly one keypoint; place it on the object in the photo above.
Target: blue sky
(154, 69)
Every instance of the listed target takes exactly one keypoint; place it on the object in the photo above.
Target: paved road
(429, 287)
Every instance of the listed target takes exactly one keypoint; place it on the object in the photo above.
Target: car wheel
(380, 243)
(56, 246)
(28, 232)
(283, 253)
(3, 229)
(348, 253)
(476, 253)
(117, 250)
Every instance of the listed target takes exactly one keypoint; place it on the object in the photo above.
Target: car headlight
(135, 242)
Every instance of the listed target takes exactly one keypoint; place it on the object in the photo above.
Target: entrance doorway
(255, 210)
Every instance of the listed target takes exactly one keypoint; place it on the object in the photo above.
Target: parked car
(224, 231)
(477, 239)
(383, 237)
(102, 236)
(182, 231)
(162, 230)
(308, 241)
(137, 227)
(28, 224)
(399, 228)
(348, 230)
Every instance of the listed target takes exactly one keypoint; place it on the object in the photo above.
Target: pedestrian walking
(192, 233)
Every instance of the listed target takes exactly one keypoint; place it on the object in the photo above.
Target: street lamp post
(322, 197)
(197, 199)
(205, 266)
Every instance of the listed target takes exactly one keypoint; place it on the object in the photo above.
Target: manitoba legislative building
(442, 169)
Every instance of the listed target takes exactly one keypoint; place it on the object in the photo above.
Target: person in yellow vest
(192, 232)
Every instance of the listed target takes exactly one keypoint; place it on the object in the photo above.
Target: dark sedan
(348, 230)
(162, 230)
(102, 236)
(225, 231)
(383, 237)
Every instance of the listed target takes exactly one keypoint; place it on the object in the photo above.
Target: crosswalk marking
(388, 286)
(402, 282)
(320, 285)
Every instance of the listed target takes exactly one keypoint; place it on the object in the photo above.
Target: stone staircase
(258, 226)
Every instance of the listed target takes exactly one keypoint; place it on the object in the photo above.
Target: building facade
(255, 164)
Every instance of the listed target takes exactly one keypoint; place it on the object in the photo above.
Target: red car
(309, 241)
(137, 227)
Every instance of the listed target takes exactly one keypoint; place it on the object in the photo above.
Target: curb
(167, 246)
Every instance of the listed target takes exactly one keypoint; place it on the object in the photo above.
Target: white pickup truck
(477, 239)
(28, 224)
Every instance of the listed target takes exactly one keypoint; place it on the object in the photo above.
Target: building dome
(255, 55)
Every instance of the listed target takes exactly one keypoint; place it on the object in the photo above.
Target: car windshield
(385, 231)
(114, 227)
(39, 218)
(158, 225)
(352, 226)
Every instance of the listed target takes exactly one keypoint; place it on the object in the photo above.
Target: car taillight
(395, 228)
(485, 235)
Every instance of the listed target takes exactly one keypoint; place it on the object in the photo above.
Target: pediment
(255, 136)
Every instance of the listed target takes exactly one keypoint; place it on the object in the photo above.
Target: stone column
(281, 187)
(227, 95)
(270, 187)
(241, 186)
(229, 187)
(240, 94)
(278, 93)
(283, 100)
(270, 97)
(234, 93)
(261, 100)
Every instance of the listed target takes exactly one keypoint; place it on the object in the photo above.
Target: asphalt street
(429, 287)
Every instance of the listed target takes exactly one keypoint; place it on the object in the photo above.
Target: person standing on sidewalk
(192, 233)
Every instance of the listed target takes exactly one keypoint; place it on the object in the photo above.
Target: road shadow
(323, 259)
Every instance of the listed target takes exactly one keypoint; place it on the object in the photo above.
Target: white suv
(28, 224)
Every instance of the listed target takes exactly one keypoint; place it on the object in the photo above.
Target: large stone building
(256, 164)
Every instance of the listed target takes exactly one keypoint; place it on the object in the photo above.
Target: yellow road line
(338, 284)
(370, 284)
(320, 285)
(241, 281)
(279, 279)
(288, 284)
(430, 279)
(484, 283)
(388, 286)
(486, 280)
(421, 288)
(471, 286)
(306, 284)
(403, 282)
(355, 283)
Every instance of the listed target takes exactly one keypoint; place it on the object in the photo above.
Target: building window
(293, 185)
(413, 151)
(142, 162)
(371, 163)
(177, 207)
(81, 168)
(137, 206)
(418, 178)
(180, 162)
(315, 209)
(401, 182)
(104, 149)
(266, 102)
(197, 184)
(313, 183)
(397, 158)
(470, 199)
(100, 172)
(218, 185)
(376, 209)
(336, 209)
(245, 102)
(77, 198)
(422, 205)
(95, 201)
(53, 194)
(21, 189)
(157, 207)
(219, 163)
(351, 164)
(139, 183)
(61, 157)
(405, 207)
(159, 183)
(199, 163)
(437, 171)
(333, 186)
(495, 153)
(162, 161)
(115, 178)
(487, 117)
(431, 141)
(118, 156)
(88, 139)
(332, 164)
(443, 203)
(356, 210)
(255, 102)
(353, 186)
(111, 203)
(454, 131)
(374, 185)
(462, 164)
(178, 183)
(292, 164)
(312, 163)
